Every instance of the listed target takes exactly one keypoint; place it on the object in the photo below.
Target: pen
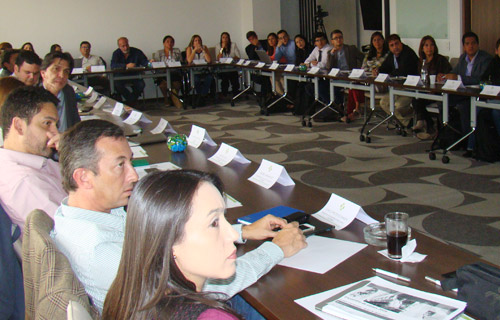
(391, 275)
(437, 282)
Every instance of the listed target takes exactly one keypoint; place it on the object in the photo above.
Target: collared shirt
(342, 60)
(29, 182)
(91, 61)
(287, 51)
(95, 254)
(470, 64)
(314, 56)
(118, 61)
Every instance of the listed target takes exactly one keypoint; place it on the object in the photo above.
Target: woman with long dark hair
(227, 49)
(176, 237)
(272, 44)
(196, 51)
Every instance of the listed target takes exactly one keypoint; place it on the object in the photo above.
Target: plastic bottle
(423, 74)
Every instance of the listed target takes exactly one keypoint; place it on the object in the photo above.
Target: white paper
(357, 74)
(133, 144)
(199, 61)
(93, 97)
(231, 202)
(77, 71)
(260, 65)
(100, 103)
(491, 90)
(97, 68)
(162, 166)
(340, 212)
(382, 77)
(270, 173)
(139, 152)
(158, 64)
(133, 118)
(413, 81)
(274, 66)
(289, 67)
(199, 135)
(334, 72)
(453, 85)
(88, 92)
(322, 254)
(240, 62)
(174, 63)
(247, 63)
(160, 127)
(313, 70)
(90, 117)
(226, 60)
(75, 88)
(118, 109)
(407, 252)
(226, 154)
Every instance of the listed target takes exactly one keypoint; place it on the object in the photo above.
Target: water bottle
(423, 73)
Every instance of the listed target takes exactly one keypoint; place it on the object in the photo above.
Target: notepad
(280, 211)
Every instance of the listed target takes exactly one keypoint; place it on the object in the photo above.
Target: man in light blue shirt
(89, 225)
(286, 48)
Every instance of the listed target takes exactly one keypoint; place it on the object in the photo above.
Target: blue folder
(280, 211)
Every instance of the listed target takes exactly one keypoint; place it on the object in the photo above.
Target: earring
(175, 257)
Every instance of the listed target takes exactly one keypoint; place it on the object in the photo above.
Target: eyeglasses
(338, 38)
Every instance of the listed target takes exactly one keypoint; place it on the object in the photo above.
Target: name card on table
(313, 70)
(118, 109)
(260, 65)
(340, 212)
(289, 67)
(174, 64)
(100, 103)
(274, 65)
(88, 92)
(382, 77)
(77, 71)
(133, 118)
(97, 68)
(357, 74)
(138, 152)
(226, 154)
(240, 62)
(247, 62)
(93, 97)
(158, 64)
(163, 126)
(226, 60)
(453, 85)
(413, 81)
(199, 61)
(491, 90)
(270, 173)
(334, 72)
(199, 135)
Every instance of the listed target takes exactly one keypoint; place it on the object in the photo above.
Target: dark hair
(251, 34)
(421, 53)
(85, 42)
(321, 35)
(270, 50)
(29, 44)
(282, 31)
(191, 43)
(24, 102)
(7, 85)
(30, 57)
(373, 52)
(393, 37)
(50, 57)
(77, 148)
(149, 284)
(335, 31)
(229, 43)
(497, 44)
(5, 46)
(54, 47)
(166, 37)
(7, 54)
(470, 34)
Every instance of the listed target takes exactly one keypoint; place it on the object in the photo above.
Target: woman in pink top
(176, 237)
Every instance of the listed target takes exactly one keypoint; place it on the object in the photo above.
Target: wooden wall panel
(486, 23)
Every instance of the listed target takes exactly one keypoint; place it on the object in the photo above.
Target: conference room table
(274, 294)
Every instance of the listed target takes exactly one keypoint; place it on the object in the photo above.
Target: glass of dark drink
(396, 225)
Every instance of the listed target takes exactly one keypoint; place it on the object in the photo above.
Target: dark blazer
(302, 54)
(481, 63)
(492, 74)
(407, 63)
(354, 58)
(70, 110)
(438, 64)
(250, 50)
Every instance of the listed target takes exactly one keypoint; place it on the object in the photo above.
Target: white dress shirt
(314, 56)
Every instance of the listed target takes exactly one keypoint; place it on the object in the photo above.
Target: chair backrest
(454, 62)
(49, 281)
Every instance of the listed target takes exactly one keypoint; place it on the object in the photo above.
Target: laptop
(77, 63)
(263, 56)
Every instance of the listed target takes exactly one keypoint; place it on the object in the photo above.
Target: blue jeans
(242, 307)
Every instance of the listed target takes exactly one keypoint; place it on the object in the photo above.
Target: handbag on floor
(478, 284)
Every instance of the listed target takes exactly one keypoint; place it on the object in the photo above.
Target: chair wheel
(232, 103)
(361, 138)
(445, 159)
(303, 122)
(309, 124)
(432, 156)
(368, 139)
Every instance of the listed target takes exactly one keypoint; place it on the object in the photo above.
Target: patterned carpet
(457, 202)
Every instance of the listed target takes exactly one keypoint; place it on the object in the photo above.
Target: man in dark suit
(401, 61)
(255, 44)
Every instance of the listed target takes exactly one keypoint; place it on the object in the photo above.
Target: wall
(290, 17)
(342, 15)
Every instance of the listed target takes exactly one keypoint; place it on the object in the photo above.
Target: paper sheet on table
(158, 64)
(162, 166)
(118, 109)
(407, 252)
(231, 202)
(313, 70)
(226, 154)
(97, 68)
(382, 77)
(199, 135)
(163, 126)
(77, 71)
(88, 91)
(322, 254)
(174, 63)
(92, 98)
(90, 117)
(100, 103)
(270, 173)
(309, 303)
(133, 118)
(340, 212)
(139, 152)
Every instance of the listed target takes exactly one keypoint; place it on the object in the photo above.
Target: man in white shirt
(100, 83)
(319, 55)
(97, 173)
